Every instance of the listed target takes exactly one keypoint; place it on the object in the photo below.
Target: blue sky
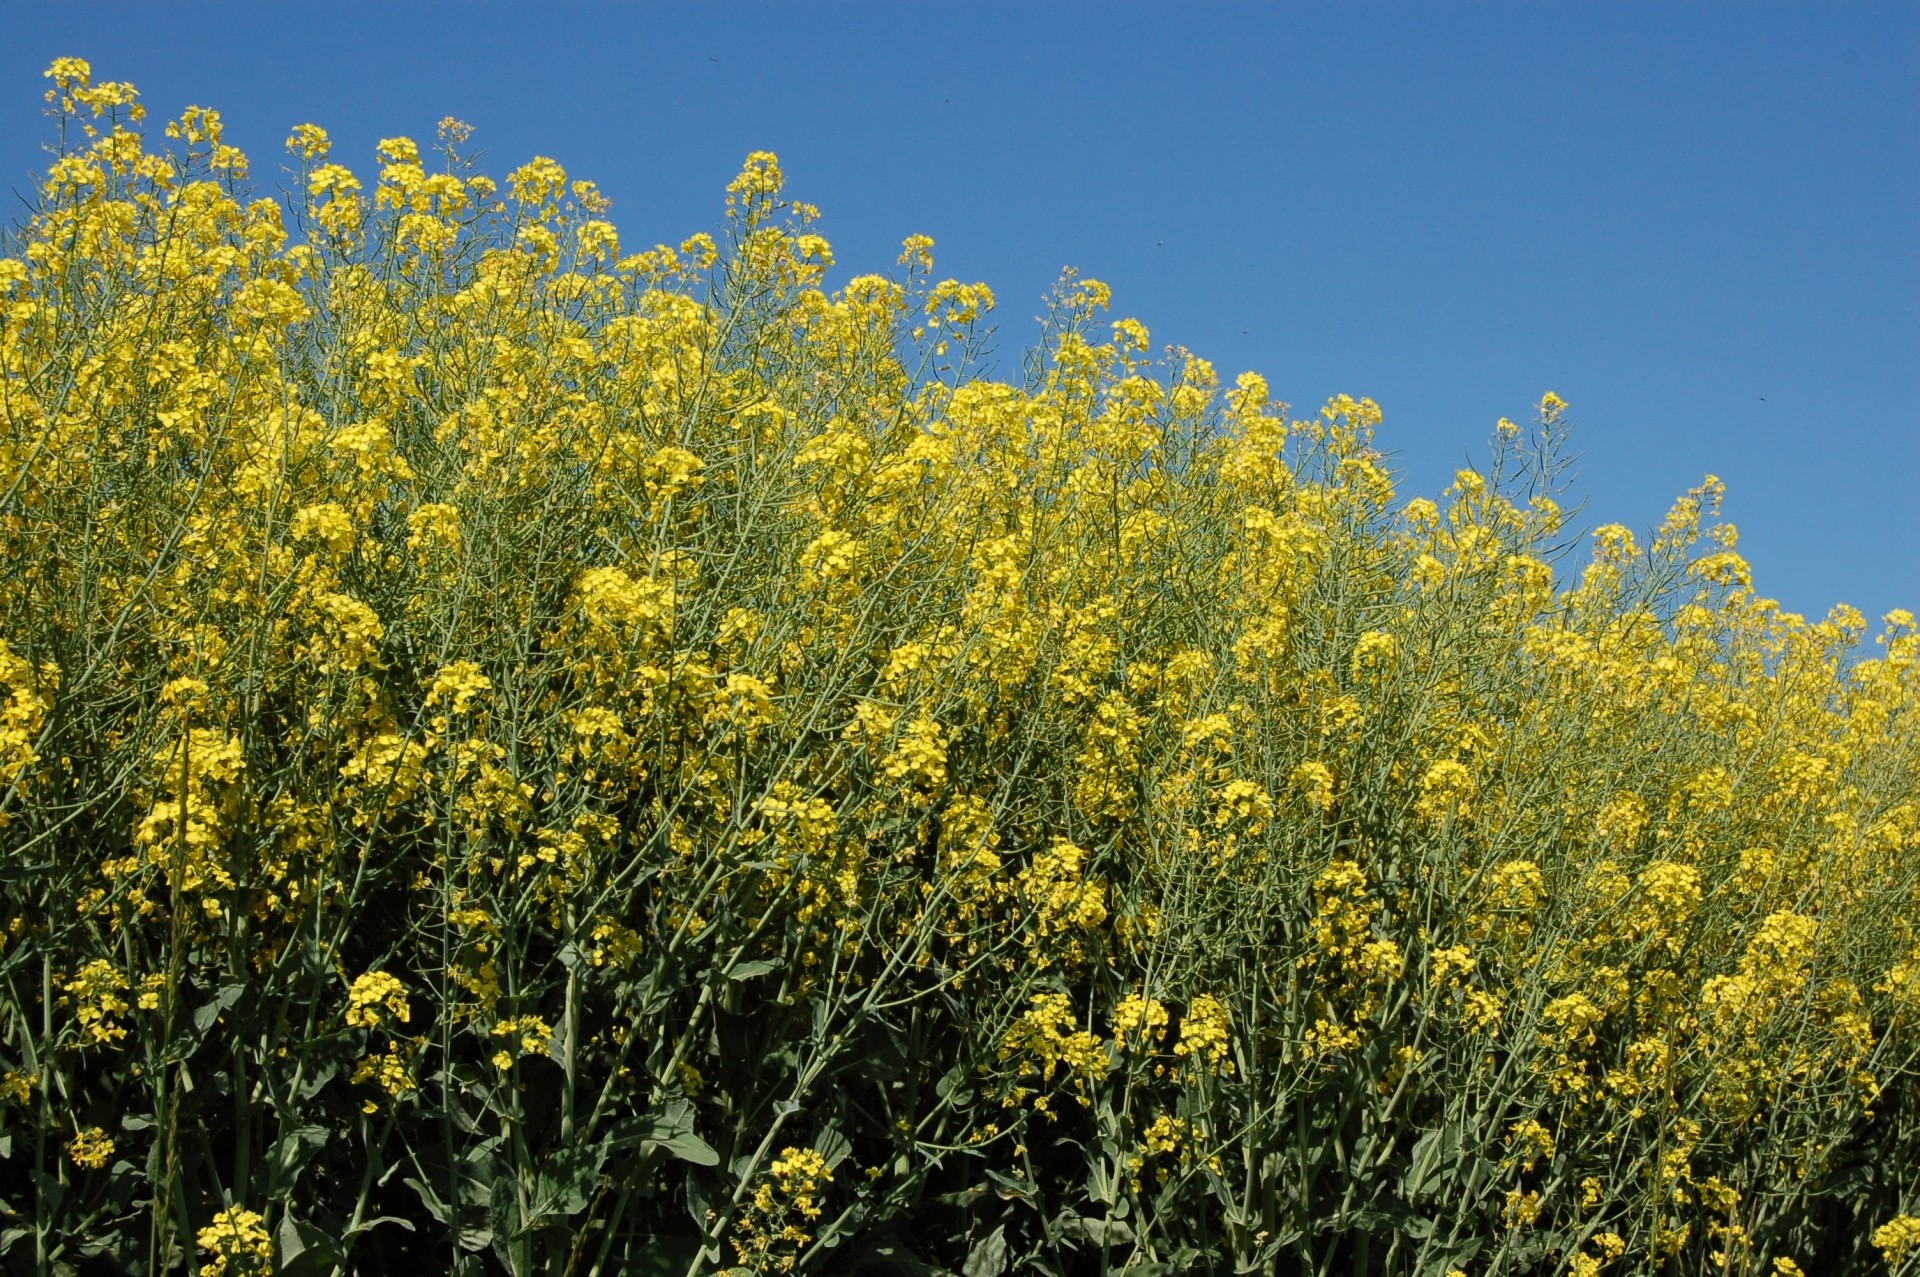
(1698, 222)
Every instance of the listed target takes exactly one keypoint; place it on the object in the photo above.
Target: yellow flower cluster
(772, 1231)
(388, 1071)
(524, 1035)
(1898, 1238)
(237, 1245)
(375, 998)
(1046, 1038)
(28, 695)
(98, 995)
(1205, 1035)
(18, 1087)
(1138, 1023)
(91, 1149)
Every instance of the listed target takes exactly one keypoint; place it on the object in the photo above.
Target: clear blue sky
(1698, 222)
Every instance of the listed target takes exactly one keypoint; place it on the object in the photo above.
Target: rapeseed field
(525, 753)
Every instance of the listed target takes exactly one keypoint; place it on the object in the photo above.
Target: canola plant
(519, 755)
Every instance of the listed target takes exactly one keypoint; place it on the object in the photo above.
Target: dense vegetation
(519, 756)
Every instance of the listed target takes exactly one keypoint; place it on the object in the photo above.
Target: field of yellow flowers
(521, 755)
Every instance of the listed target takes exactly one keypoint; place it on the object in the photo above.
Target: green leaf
(52, 1192)
(988, 1258)
(672, 1129)
(225, 995)
(429, 1199)
(568, 1179)
(1101, 1186)
(660, 1257)
(303, 1249)
(1095, 1229)
(1430, 1151)
(1439, 1259)
(689, 1147)
(292, 1151)
(955, 1085)
(1013, 1189)
(698, 1202)
(759, 966)
(559, 1043)
(832, 1145)
(503, 1214)
(324, 1058)
(369, 1225)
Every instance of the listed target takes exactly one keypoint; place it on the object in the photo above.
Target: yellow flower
(1313, 781)
(1047, 1037)
(1610, 1247)
(538, 181)
(328, 523)
(953, 304)
(1534, 1141)
(18, 1087)
(1898, 1238)
(309, 142)
(374, 998)
(1446, 792)
(799, 1172)
(435, 523)
(1372, 654)
(1521, 1209)
(532, 1033)
(1138, 1022)
(90, 1149)
(1204, 1032)
(97, 993)
(237, 1243)
(388, 1071)
(456, 685)
(1621, 821)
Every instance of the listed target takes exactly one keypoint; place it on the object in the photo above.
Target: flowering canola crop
(521, 754)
